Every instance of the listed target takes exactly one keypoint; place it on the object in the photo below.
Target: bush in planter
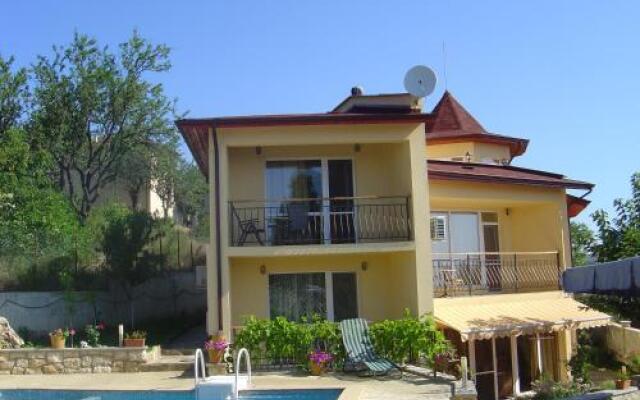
(92, 334)
(135, 339)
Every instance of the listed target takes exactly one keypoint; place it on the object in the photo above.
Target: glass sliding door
(293, 211)
(299, 209)
(341, 218)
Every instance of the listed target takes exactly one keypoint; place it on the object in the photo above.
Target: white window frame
(434, 230)
(328, 279)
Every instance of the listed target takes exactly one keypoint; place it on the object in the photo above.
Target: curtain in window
(297, 295)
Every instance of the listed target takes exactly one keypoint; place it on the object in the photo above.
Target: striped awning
(500, 315)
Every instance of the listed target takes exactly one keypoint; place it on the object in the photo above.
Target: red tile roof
(452, 123)
(451, 170)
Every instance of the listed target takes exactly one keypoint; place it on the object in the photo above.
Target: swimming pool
(29, 394)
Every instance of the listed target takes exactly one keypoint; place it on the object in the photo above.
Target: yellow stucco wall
(373, 164)
(537, 216)
(480, 152)
(391, 161)
(379, 295)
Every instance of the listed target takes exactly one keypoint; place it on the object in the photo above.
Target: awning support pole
(495, 367)
(539, 354)
(472, 359)
(515, 368)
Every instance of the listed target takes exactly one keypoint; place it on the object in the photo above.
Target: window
(331, 295)
(438, 228)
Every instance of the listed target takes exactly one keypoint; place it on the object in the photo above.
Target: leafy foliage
(408, 339)
(91, 106)
(191, 199)
(617, 238)
(581, 242)
(280, 341)
(548, 389)
(13, 95)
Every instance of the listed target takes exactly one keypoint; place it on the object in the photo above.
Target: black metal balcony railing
(320, 221)
(463, 274)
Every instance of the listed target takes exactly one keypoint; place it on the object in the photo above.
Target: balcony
(466, 274)
(320, 221)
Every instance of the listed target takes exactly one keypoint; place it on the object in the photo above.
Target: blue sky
(563, 74)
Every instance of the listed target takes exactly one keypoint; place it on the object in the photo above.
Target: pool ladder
(200, 371)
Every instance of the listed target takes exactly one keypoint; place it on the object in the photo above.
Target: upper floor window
(438, 227)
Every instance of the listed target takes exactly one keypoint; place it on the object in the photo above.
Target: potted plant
(135, 339)
(215, 347)
(58, 338)
(318, 361)
(624, 379)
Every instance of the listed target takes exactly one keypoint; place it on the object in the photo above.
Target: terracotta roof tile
(451, 170)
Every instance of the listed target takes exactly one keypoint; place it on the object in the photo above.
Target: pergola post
(495, 367)
(515, 368)
(472, 359)
(539, 354)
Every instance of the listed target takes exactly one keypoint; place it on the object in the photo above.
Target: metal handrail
(297, 199)
(199, 360)
(240, 353)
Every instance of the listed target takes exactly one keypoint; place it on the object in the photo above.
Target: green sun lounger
(359, 349)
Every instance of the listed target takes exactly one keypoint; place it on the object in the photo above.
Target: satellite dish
(420, 81)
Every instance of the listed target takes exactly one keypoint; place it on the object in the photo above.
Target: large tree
(191, 197)
(13, 94)
(34, 218)
(616, 238)
(581, 242)
(92, 106)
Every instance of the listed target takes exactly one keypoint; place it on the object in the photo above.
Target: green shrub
(548, 389)
(408, 339)
(281, 342)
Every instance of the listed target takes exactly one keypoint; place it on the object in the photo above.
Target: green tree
(617, 238)
(581, 242)
(164, 173)
(126, 237)
(191, 198)
(135, 172)
(34, 217)
(13, 94)
(92, 105)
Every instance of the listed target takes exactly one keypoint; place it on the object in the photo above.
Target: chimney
(357, 91)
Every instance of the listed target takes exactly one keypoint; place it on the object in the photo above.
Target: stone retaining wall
(74, 361)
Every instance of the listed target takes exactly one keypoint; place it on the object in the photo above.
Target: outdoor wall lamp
(357, 147)
(263, 269)
(258, 150)
(364, 265)
(507, 211)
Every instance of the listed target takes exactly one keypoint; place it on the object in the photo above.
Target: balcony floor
(321, 249)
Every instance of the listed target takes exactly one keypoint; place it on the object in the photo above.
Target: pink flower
(319, 357)
(100, 326)
(220, 344)
(72, 332)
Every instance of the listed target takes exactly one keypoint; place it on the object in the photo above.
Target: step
(178, 352)
(170, 363)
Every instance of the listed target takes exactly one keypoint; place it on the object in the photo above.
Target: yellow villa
(377, 206)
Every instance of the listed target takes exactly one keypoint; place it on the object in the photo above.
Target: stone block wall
(74, 361)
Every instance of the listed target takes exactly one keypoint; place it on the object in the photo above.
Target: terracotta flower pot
(134, 342)
(215, 356)
(317, 369)
(623, 384)
(57, 342)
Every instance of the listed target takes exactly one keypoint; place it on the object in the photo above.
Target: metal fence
(459, 274)
(320, 221)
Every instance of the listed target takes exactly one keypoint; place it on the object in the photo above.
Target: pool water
(28, 394)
